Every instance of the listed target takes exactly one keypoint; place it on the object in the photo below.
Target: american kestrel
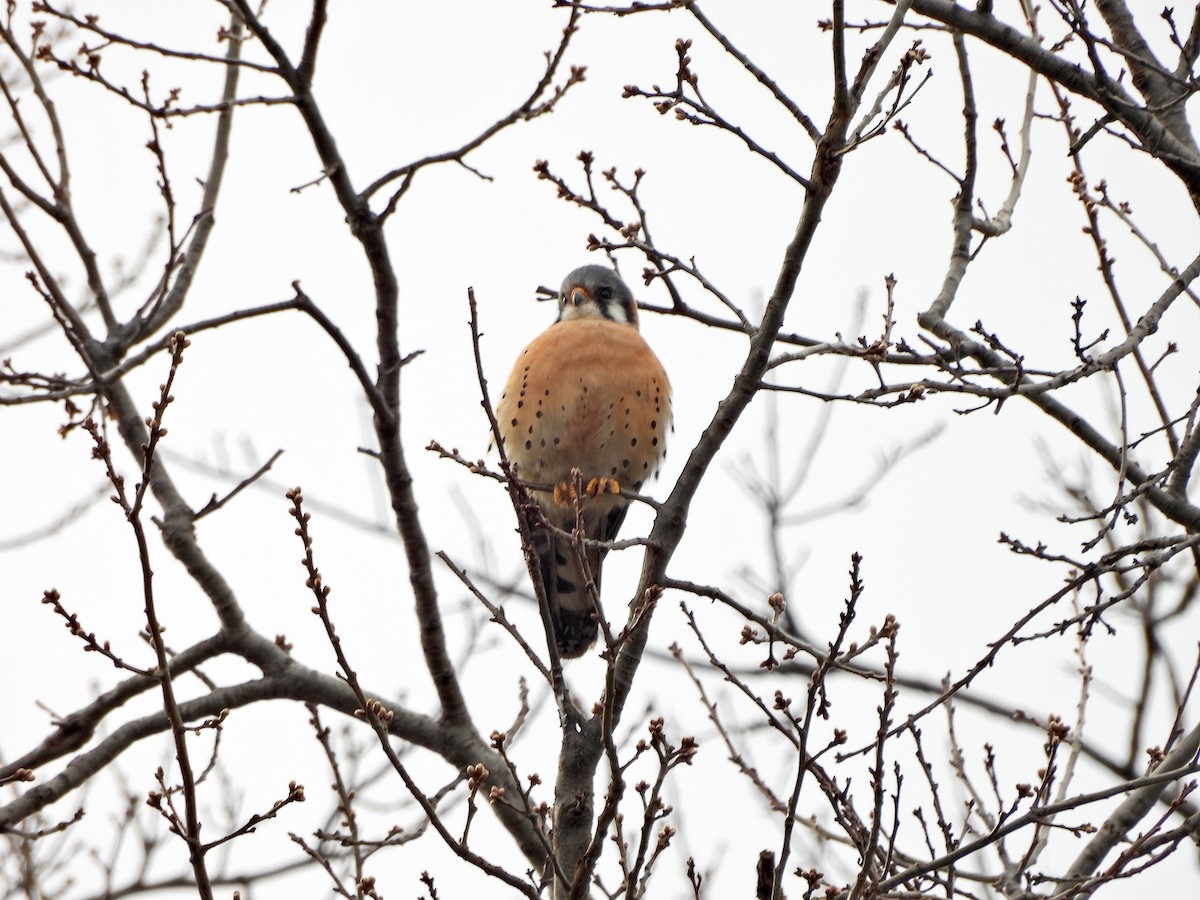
(587, 394)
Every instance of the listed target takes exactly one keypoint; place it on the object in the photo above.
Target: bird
(589, 394)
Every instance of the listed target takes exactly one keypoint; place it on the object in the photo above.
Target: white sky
(399, 81)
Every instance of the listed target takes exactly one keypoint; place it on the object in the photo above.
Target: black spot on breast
(529, 445)
(520, 403)
(557, 441)
(514, 423)
(538, 414)
(654, 442)
(653, 424)
(624, 464)
(633, 442)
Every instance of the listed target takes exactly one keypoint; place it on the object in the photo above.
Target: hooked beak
(578, 296)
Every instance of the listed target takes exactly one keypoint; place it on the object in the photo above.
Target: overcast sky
(401, 81)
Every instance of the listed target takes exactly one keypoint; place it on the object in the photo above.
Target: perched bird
(587, 394)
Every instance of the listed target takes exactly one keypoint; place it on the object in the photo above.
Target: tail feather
(573, 613)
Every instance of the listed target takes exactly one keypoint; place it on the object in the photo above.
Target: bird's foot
(565, 493)
(598, 486)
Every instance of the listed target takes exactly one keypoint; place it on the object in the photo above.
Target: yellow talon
(599, 485)
(564, 493)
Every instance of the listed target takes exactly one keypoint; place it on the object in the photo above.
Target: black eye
(605, 293)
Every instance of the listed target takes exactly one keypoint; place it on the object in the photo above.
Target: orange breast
(587, 394)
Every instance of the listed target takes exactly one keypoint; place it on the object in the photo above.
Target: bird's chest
(586, 395)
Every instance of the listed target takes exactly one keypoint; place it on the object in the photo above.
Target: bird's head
(596, 292)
